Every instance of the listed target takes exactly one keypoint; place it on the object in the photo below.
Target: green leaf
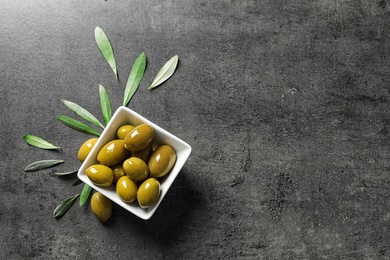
(39, 142)
(77, 182)
(106, 49)
(85, 194)
(65, 173)
(77, 125)
(134, 78)
(64, 206)
(43, 164)
(105, 104)
(81, 112)
(165, 72)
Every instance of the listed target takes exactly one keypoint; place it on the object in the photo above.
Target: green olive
(123, 131)
(86, 148)
(162, 161)
(139, 138)
(112, 153)
(100, 175)
(101, 206)
(136, 168)
(143, 154)
(148, 193)
(118, 172)
(126, 189)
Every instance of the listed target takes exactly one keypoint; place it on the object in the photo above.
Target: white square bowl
(122, 116)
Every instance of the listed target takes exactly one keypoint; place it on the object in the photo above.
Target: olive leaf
(106, 49)
(61, 209)
(77, 125)
(135, 76)
(105, 104)
(43, 164)
(81, 112)
(65, 173)
(77, 182)
(165, 72)
(39, 142)
(85, 194)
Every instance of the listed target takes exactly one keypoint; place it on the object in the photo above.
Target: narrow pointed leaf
(43, 164)
(85, 194)
(135, 76)
(165, 72)
(105, 104)
(77, 125)
(65, 173)
(64, 206)
(81, 112)
(106, 49)
(39, 142)
(77, 182)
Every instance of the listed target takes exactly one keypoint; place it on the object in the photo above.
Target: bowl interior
(123, 116)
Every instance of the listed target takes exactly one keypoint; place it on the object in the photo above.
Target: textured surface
(284, 102)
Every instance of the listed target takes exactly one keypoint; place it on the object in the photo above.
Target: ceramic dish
(123, 116)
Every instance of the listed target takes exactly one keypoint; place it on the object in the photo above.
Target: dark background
(284, 102)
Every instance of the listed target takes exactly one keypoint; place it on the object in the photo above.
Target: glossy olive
(148, 193)
(112, 153)
(100, 175)
(126, 189)
(123, 131)
(101, 206)
(136, 168)
(161, 161)
(139, 138)
(143, 154)
(118, 172)
(86, 148)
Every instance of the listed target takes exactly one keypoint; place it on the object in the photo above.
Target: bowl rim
(183, 151)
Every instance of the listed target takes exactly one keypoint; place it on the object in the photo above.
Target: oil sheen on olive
(86, 148)
(139, 138)
(126, 189)
(143, 154)
(148, 193)
(118, 172)
(123, 131)
(162, 161)
(101, 206)
(136, 168)
(100, 175)
(112, 153)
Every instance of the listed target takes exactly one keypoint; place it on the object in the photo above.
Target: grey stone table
(285, 104)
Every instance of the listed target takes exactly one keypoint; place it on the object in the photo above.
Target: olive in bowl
(125, 116)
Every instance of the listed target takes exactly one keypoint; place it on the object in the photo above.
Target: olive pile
(132, 164)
